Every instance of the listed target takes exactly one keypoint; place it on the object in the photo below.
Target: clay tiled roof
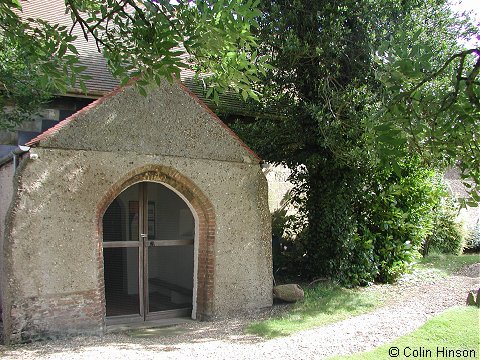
(53, 11)
(102, 82)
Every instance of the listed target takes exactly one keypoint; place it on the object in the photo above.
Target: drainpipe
(14, 156)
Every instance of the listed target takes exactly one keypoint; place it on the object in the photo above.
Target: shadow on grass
(447, 264)
(323, 304)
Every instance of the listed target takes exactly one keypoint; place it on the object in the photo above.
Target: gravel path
(413, 305)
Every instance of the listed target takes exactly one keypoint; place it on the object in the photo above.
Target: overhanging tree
(433, 110)
(146, 38)
(364, 215)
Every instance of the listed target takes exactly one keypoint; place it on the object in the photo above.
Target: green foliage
(472, 241)
(430, 100)
(373, 231)
(455, 329)
(398, 216)
(147, 39)
(33, 63)
(447, 235)
(365, 202)
(323, 304)
(20, 87)
(142, 38)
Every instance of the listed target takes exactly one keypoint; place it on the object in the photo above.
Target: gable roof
(53, 12)
(102, 82)
(169, 115)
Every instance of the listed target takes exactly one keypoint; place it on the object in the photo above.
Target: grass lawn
(457, 330)
(329, 303)
(323, 304)
(447, 264)
(438, 266)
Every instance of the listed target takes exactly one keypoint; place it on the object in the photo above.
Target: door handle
(143, 236)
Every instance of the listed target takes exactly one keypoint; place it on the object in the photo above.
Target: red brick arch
(206, 226)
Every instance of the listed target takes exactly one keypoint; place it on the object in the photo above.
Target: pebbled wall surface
(6, 192)
(53, 269)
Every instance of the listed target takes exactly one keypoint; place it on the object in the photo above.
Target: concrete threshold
(147, 324)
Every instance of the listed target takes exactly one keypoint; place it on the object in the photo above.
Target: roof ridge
(49, 132)
(217, 119)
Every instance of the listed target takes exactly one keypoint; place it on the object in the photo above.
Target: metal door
(154, 246)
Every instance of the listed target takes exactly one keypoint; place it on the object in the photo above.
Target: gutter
(14, 154)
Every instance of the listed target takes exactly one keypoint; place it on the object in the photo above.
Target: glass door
(148, 236)
(170, 230)
(123, 258)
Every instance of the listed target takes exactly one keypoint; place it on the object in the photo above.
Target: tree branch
(435, 74)
(86, 29)
(470, 81)
(114, 10)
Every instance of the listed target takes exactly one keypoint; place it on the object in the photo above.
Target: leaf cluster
(430, 100)
(147, 40)
(157, 39)
(364, 197)
(34, 63)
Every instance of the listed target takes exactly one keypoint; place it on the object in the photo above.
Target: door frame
(205, 236)
(143, 244)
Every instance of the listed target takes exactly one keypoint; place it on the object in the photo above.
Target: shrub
(372, 227)
(398, 216)
(448, 235)
(358, 220)
(472, 241)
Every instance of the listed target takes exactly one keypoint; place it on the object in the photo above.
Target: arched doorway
(148, 254)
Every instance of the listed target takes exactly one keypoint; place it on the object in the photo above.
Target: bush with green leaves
(392, 217)
(472, 241)
(398, 216)
(447, 235)
(372, 227)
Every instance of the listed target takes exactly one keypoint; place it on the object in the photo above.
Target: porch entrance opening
(148, 253)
